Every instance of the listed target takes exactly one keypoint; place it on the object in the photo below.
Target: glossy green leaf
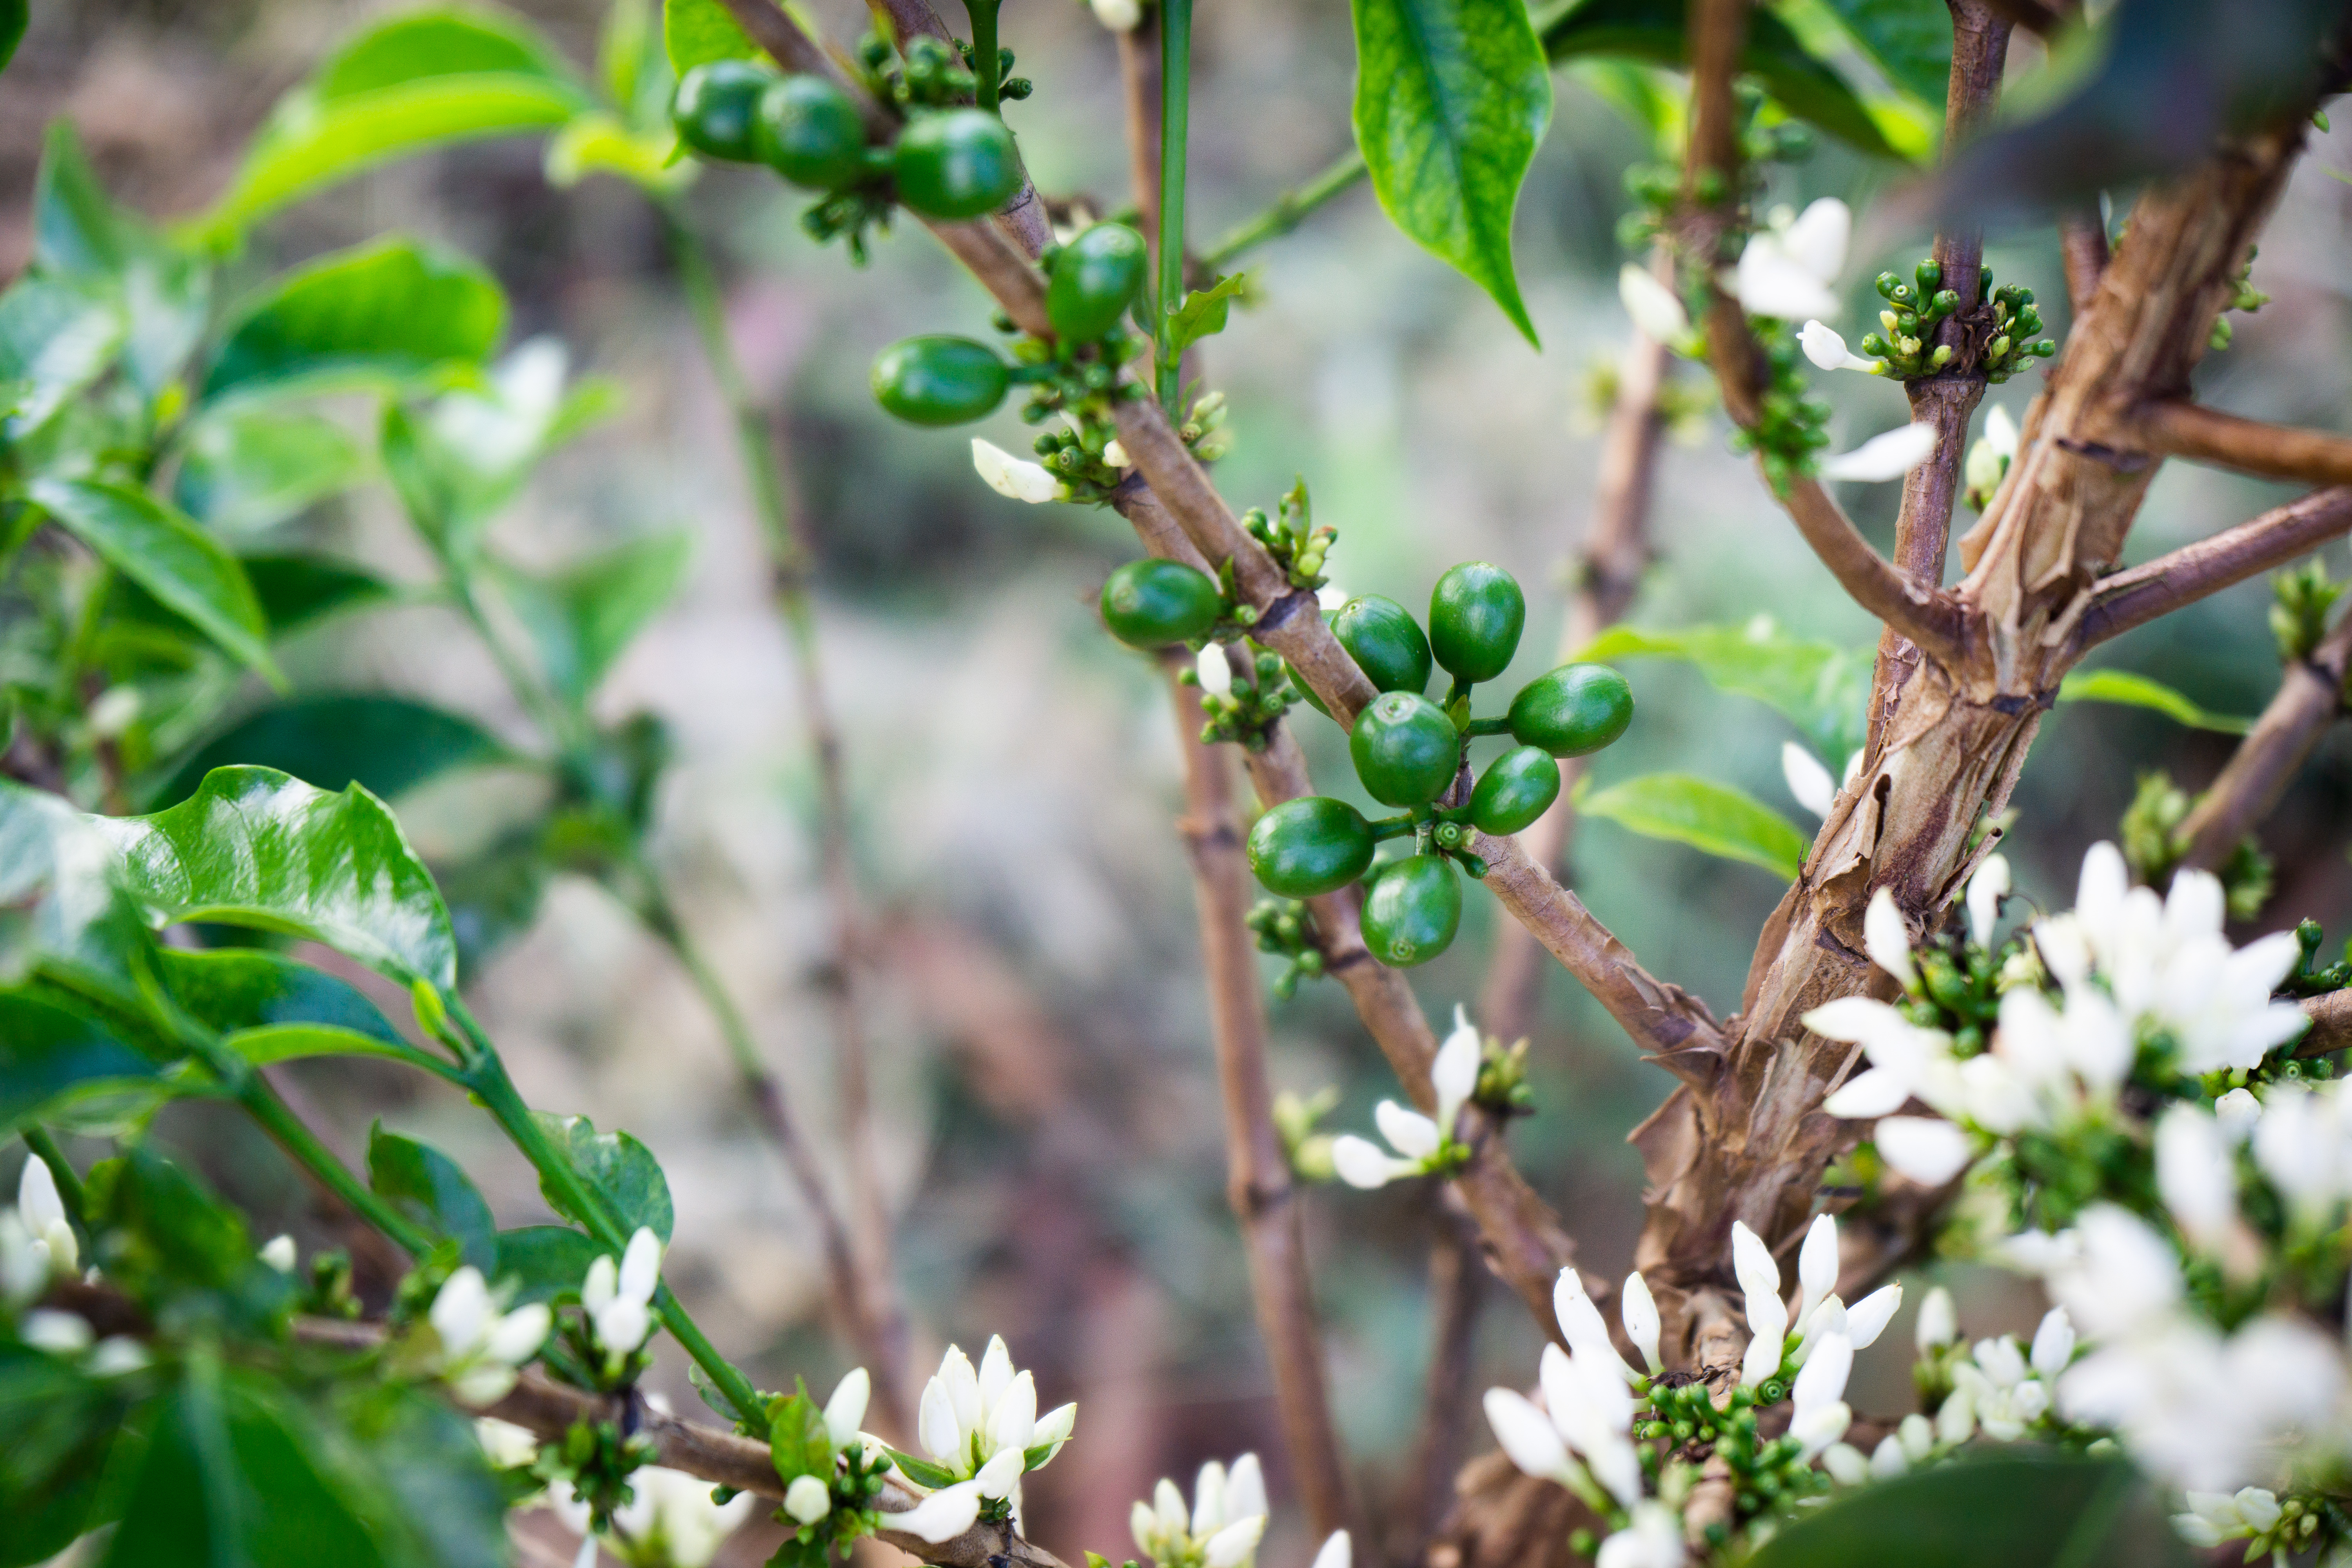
(922, 1472)
(295, 591)
(619, 1167)
(798, 1443)
(1202, 314)
(545, 1261)
(160, 1232)
(1910, 41)
(161, 551)
(382, 314)
(695, 31)
(1820, 687)
(79, 233)
(429, 1186)
(249, 469)
(50, 1056)
(385, 744)
(1653, 31)
(581, 617)
(1452, 98)
(273, 1008)
(237, 1476)
(255, 847)
(56, 339)
(1707, 815)
(2014, 1507)
(66, 916)
(2133, 690)
(58, 1427)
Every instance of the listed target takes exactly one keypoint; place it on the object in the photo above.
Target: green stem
(261, 1102)
(985, 69)
(1487, 727)
(1175, 93)
(575, 1196)
(37, 1139)
(562, 727)
(661, 919)
(1288, 210)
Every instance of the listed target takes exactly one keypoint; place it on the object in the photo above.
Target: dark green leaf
(57, 1426)
(51, 1056)
(1451, 97)
(1820, 687)
(161, 1233)
(248, 469)
(1653, 31)
(433, 1499)
(236, 1475)
(273, 1008)
(296, 590)
(1203, 313)
(581, 617)
(13, 15)
(161, 551)
(494, 897)
(619, 1167)
(694, 31)
(385, 744)
(922, 1472)
(2133, 690)
(2011, 1507)
(545, 1261)
(1708, 816)
(1910, 41)
(429, 1186)
(163, 291)
(382, 314)
(56, 339)
(797, 1441)
(62, 911)
(254, 847)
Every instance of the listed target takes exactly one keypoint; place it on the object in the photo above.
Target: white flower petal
(997, 1478)
(1809, 782)
(1214, 670)
(2054, 1343)
(1886, 936)
(942, 1516)
(1826, 348)
(1655, 309)
(1940, 1322)
(1245, 1488)
(279, 1254)
(1013, 1420)
(460, 1313)
(1871, 1093)
(2001, 431)
(1928, 1149)
(1361, 1163)
(1232, 1545)
(1885, 457)
(1409, 1132)
(1763, 1358)
(1010, 476)
(36, 1196)
(519, 1334)
(935, 1424)
(1986, 890)
(1455, 1072)
(602, 1284)
(845, 1413)
(1821, 1381)
(1817, 1265)
(1768, 281)
(1817, 241)
(641, 1265)
(1526, 1434)
(1335, 1553)
(1867, 1318)
(1753, 1265)
(1639, 1310)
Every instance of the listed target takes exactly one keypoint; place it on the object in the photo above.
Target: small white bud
(279, 1253)
(808, 1498)
(1215, 673)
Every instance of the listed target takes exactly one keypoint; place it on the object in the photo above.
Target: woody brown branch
(2310, 697)
(1258, 1182)
(2198, 570)
(2179, 428)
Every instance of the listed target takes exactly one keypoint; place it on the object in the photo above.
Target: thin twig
(1923, 613)
(2310, 697)
(2182, 429)
(2194, 572)
(1258, 1181)
(1458, 1282)
(1287, 211)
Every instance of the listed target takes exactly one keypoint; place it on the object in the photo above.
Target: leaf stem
(1175, 93)
(986, 73)
(505, 1103)
(1287, 211)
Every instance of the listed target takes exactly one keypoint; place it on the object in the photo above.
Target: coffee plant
(2133, 1103)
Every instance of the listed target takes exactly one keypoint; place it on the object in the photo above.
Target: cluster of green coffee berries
(1092, 282)
(1912, 313)
(1286, 928)
(952, 162)
(1412, 751)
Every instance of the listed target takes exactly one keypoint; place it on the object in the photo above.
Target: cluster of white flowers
(669, 1521)
(36, 1243)
(1221, 1530)
(619, 1299)
(809, 1498)
(1786, 271)
(979, 1427)
(1421, 1144)
(480, 1347)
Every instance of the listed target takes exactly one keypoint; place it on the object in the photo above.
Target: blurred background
(1044, 1096)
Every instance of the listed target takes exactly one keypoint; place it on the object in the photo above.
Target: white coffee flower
(1786, 270)
(1822, 1416)
(1222, 1527)
(1652, 1538)
(1638, 1309)
(507, 1446)
(44, 1216)
(845, 1413)
(1213, 670)
(1014, 477)
(1582, 1325)
(59, 1333)
(968, 1421)
(1767, 1315)
(1422, 1142)
(1928, 1150)
(279, 1254)
(480, 1346)
(941, 1515)
(2195, 1174)
(1809, 782)
(2054, 1343)
(1657, 310)
(1825, 346)
(1986, 890)
(1886, 937)
(2303, 1144)
(1581, 1435)
(1885, 457)
(1939, 1322)
(669, 1518)
(618, 1300)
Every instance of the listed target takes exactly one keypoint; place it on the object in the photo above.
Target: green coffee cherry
(1411, 909)
(1151, 604)
(1572, 710)
(808, 130)
(940, 380)
(1309, 846)
(1383, 638)
(1517, 787)
(1475, 614)
(717, 109)
(1405, 749)
(1093, 280)
(956, 163)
